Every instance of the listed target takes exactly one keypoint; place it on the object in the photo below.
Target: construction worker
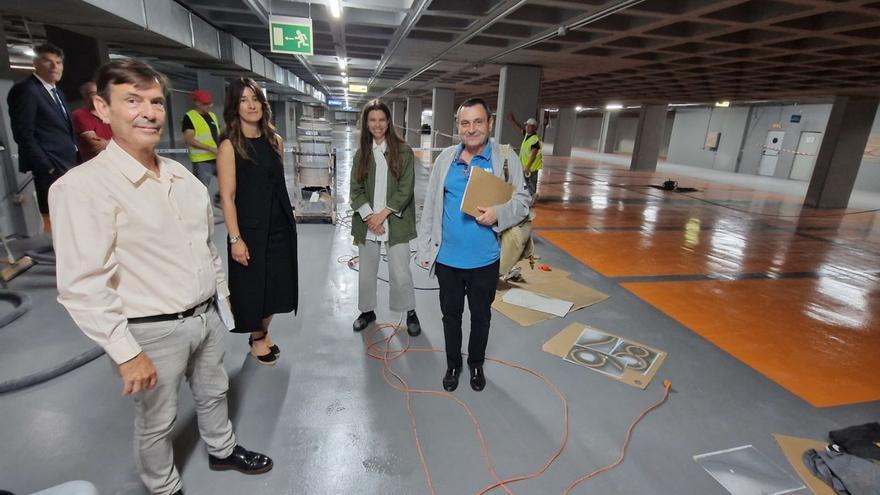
(530, 152)
(201, 133)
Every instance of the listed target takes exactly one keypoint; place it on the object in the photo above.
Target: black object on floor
(859, 440)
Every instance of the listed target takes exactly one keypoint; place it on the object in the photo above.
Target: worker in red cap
(201, 133)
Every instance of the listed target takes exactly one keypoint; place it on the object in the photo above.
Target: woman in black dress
(259, 217)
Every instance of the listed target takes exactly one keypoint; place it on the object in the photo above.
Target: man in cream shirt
(139, 273)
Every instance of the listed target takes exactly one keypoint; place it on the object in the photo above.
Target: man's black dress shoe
(241, 460)
(450, 380)
(364, 320)
(413, 328)
(478, 379)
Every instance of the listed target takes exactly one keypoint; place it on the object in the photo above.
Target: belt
(194, 311)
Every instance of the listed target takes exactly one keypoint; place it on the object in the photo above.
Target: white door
(770, 152)
(805, 159)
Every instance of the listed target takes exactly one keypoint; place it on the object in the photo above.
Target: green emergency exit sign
(291, 35)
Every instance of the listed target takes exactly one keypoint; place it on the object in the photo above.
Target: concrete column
(398, 116)
(649, 138)
(414, 121)
(608, 133)
(18, 214)
(564, 132)
(839, 157)
(217, 87)
(82, 57)
(443, 110)
(519, 91)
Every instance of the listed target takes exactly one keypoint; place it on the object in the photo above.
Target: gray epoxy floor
(333, 426)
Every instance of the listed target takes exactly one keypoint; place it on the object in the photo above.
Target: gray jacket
(509, 214)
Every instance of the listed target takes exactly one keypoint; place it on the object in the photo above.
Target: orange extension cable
(380, 349)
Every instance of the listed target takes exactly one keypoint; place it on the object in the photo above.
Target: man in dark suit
(41, 125)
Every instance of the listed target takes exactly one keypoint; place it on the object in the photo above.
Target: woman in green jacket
(382, 182)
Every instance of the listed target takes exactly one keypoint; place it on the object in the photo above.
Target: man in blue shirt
(464, 251)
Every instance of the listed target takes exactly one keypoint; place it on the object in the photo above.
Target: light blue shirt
(466, 243)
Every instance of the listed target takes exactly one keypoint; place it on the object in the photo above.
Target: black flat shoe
(363, 321)
(413, 328)
(273, 348)
(450, 380)
(268, 359)
(478, 379)
(241, 460)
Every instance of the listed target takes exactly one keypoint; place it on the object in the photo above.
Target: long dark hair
(232, 132)
(365, 146)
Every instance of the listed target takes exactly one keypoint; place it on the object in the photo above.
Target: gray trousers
(190, 348)
(402, 294)
(532, 183)
(204, 171)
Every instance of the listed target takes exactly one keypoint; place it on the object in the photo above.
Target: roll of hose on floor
(21, 304)
(42, 256)
(50, 373)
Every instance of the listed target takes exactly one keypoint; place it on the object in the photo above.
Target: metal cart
(314, 167)
(314, 193)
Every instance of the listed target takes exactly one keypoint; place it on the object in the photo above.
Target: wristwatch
(234, 239)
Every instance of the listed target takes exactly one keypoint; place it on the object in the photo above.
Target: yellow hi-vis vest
(525, 152)
(203, 135)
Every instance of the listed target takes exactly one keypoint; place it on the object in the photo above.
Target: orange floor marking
(818, 338)
(711, 252)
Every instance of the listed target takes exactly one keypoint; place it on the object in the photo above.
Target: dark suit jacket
(44, 134)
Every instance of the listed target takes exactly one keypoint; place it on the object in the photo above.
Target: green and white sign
(291, 35)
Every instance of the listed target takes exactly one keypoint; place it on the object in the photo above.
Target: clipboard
(484, 189)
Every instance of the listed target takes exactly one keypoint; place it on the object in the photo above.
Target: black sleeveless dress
(269, 284)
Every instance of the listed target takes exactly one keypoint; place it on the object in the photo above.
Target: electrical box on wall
(712, 140)
(795, 118)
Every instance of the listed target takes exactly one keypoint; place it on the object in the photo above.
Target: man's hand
(488, 217)
(138, 373)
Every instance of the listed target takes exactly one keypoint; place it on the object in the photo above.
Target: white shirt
(49, 87)
(129, 243)
(380, 191)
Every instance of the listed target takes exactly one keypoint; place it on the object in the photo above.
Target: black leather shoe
(241, 460)
(413, 328)
(478, 379)
(364, 320)
(450, 380)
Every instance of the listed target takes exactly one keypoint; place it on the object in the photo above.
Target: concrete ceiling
(628, 51)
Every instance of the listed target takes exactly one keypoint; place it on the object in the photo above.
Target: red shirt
(84, 121)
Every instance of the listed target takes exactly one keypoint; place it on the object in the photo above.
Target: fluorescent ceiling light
(342, 62)
(578, 108)
(722, 104)
(30, 52)
(335, 9)
(614, 106)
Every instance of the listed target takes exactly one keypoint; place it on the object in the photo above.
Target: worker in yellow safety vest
(530, 152)
(201, 133)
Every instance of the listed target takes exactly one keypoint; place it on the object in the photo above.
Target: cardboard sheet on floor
(794, 448)
(552, 284)
(622, 359)
(746, 471)
(538, 302)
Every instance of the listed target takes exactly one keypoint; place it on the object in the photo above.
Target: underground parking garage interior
(696, 310)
